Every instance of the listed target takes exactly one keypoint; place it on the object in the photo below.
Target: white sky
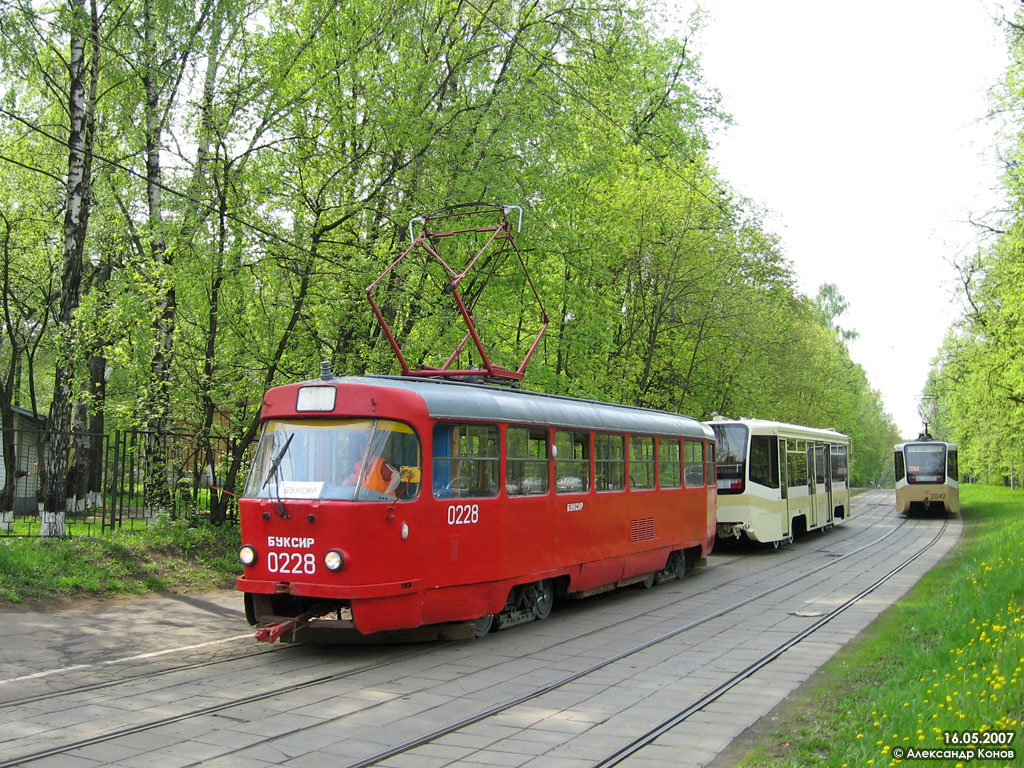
(860, 128)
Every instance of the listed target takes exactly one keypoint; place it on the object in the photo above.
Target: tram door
(817, 486)
(826, 469)
(784, 484)
(812, 488)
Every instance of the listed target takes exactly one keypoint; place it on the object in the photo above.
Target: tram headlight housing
(247, 555)
(334, 560)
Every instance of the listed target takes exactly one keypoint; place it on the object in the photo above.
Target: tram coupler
(268, 633)
(271, 632)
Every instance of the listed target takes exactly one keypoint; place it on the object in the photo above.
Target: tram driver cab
(338, 459)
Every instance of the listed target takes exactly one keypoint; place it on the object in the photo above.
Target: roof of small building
(38, 417)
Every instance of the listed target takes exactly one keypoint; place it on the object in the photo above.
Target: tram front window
(926, 463)
(345, 460)
(731, 440)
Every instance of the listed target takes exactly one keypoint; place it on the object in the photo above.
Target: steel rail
(139, 728)
(668, 724)
(88, 688)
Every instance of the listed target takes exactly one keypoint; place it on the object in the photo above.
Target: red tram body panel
(393, 503)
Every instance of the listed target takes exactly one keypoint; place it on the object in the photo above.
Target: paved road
(176, 680)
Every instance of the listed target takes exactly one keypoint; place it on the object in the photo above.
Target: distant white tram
(779, 480)
(926, 476)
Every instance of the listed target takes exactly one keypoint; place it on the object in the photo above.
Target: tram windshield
(926, 463)
(731, 440)
(342, 459)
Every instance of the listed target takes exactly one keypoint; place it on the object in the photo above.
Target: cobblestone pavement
(176, 680)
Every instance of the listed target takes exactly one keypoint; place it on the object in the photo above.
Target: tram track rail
(134, 678)
(432, 735)
(213, 709)
(649, 737)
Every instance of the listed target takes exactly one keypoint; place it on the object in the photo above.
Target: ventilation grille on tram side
(641, 530)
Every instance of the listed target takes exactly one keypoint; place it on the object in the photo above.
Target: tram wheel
(677, 564)
(483, 625)
(545, 599)
(648, 582)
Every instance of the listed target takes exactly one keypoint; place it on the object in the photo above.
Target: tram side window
(709, 461)
(465, 460)
(693, 468)
(670, 461)
(764, 460)
(783, 469)
(796, 463)
(839, 464)
(527, 468)
(610, 462)
(819, 464)
(572, 461)
(641, 462)
(954, 470)
(900, 468)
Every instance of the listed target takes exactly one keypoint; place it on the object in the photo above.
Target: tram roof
(901, 446)
(486, 402)
(764, 426)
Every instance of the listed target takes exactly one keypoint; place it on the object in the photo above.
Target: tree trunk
(10, 468)
(156, 490)
(76, 218)
(96, 425)
(218, 500)
(7, 390)
(78, 472)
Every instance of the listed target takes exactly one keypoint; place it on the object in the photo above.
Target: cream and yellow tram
(779, 480)
(926, 476)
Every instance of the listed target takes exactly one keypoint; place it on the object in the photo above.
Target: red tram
(382, 503)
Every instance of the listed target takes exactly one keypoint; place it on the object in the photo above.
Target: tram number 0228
(291, 562)
(463, 514)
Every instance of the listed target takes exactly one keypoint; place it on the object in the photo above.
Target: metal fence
(113, 487)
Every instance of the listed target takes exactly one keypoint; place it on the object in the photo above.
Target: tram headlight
(334, 560)
(247, 555)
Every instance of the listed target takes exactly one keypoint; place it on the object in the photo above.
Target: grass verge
(946, 658)
(167, 555)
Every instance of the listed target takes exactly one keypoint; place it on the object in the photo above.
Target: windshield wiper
(275, 466)
(276, 463)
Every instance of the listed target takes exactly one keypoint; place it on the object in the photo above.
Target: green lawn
(946, 658)
(163, 556)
